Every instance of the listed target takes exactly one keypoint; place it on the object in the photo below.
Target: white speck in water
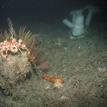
(101, 69)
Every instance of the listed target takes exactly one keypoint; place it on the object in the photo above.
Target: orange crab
(57, 81)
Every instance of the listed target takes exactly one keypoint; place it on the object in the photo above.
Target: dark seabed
(82, 63)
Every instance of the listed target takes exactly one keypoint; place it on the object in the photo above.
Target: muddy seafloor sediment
(81, 62)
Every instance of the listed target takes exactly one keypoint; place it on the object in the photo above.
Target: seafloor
(81, 62)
